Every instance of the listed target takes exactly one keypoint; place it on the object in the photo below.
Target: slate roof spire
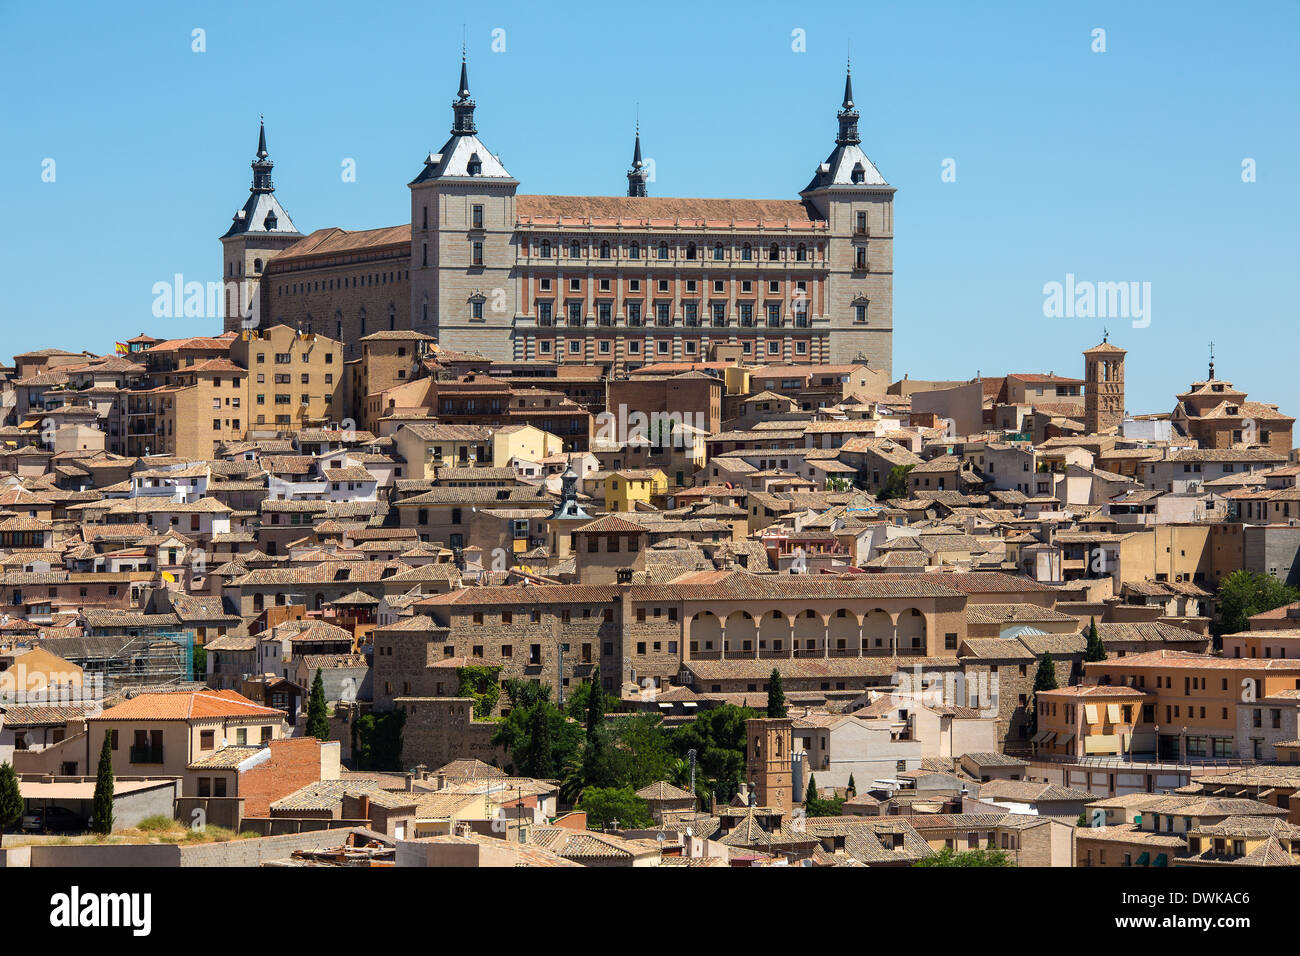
(638, 176)
(463, 107)
(262, 165)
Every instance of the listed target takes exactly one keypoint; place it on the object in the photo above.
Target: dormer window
(475, 167)
(859, 174)
(270, 222)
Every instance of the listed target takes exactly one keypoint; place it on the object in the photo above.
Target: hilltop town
(471, 611)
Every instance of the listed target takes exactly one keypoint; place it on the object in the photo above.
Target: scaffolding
(142, 660)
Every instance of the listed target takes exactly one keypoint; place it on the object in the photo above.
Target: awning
(1090, 713)
(1143, 859)
(1112, 713)
(1161, 860)
(30, 423)
(1044, 736)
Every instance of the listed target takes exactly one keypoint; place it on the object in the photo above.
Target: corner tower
(261, 229)
(462, 240)
(851, 195)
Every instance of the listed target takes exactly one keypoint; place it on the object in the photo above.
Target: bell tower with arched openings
(1103, 375)
(768, 763)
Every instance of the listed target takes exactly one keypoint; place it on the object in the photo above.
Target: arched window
(717, 252)
(634, 251)
(604, 250)
(746, 252)
(773, 252)
(663, 250)
(546, 248)
(392, 317)
(801, 253)
(257, 266)
(690, 250)
(575, 249)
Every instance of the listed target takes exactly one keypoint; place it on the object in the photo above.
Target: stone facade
(620, 281)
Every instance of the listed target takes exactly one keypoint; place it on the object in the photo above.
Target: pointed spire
(262, 165)
(638, 175)
(848, 114)
(463, 92)
(463, 106)
(1211, 362)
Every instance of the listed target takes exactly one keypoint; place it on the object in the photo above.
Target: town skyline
(960, 268)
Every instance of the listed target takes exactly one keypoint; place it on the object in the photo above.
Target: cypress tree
(11, 800)
(1044, 679)
(318, 721)
(101, 815)
(810, 797)
(852, 789)
(775, 695)
(1096, 651)
(595, 703)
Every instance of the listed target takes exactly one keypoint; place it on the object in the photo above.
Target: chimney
(410, 782)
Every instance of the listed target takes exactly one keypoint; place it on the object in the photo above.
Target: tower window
(477, 217)
(690, 250)
(718, 252)
(746, 252)
(546, 249)
(574, 249)
(663, 250)
(604, 250)
(634, 251)
(801, 253)
(773, 252)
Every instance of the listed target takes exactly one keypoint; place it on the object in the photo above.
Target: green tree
(810, 795)
(318, 718)
(718, 738)
(604, 805)
(378, 741)
(1044, 679)
(1096, 651)
(101, 814)
(11, 799)
(950, 857)
(200, 663)
(537, 759)
(896, 484)
(852, 788)
(775, 695)
(480, 683)
(595, 702)
(1245, 593)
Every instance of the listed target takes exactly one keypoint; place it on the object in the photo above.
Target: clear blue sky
(1116, 166)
